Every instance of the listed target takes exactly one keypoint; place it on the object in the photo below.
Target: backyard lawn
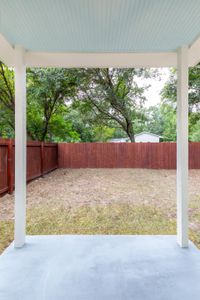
(103, 201)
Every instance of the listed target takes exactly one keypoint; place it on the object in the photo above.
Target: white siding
(145, 137)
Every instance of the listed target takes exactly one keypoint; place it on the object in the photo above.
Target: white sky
(153, 93)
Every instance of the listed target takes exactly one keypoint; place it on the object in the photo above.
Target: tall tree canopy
(7, 101)
(76, 104)
(169, 105)
(113, 95)
(47, 112)
(95, 104)
(47, 90)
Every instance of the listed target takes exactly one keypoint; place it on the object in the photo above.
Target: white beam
(20, 147)
(194, 53)
(91, 60)
(182, 147)
(101, 60)
(87, 60)
(6, 52)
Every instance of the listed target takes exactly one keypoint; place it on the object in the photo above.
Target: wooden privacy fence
(124, 155)
(41, 159)
(45, 157)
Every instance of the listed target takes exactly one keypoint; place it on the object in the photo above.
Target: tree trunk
(45, 129)
(132, 138)
(130, 132)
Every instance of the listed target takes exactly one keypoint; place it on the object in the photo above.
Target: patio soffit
(88, 32)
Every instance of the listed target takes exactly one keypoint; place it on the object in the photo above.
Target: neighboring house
(147, 137)
(142, 137)
(119, 140)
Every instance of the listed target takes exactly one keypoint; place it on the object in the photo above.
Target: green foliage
(154, 120)
(88, 105)
(103, 133)
(6, 122)
(112, 97)
(195, 132)
(47, 90)
(169, 95)
(168, 114)
(7, 102)
(81, 124)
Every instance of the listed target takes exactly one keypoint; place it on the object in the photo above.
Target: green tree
(195, 132)
(7, 102)
(154, 120)
(76, 104)
(47, 90)
(113, 96)
(47, 111)
(82, 124)
(103, 133)
(168, 113)
(169, 100)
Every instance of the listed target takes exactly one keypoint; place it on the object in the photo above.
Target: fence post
(42, 158)
(10, 166)
(57, 156)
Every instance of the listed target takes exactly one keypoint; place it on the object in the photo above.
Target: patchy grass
(6, 234)
(195, 237)
(103, 201)
(100, 219)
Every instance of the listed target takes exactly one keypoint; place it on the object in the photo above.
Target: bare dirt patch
(77, 187)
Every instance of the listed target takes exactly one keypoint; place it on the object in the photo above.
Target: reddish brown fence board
(41, 158)
(3, 168)
(50, 157)
(33, 160)
(124, 155)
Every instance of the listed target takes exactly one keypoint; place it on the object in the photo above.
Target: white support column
(182, 147)
(20, 147)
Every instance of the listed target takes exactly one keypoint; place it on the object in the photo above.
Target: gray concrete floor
(100, 268)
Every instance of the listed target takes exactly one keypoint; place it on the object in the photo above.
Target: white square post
(182, 147)
(20, 147)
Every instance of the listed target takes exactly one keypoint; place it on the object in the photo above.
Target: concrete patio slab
(100, 267)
